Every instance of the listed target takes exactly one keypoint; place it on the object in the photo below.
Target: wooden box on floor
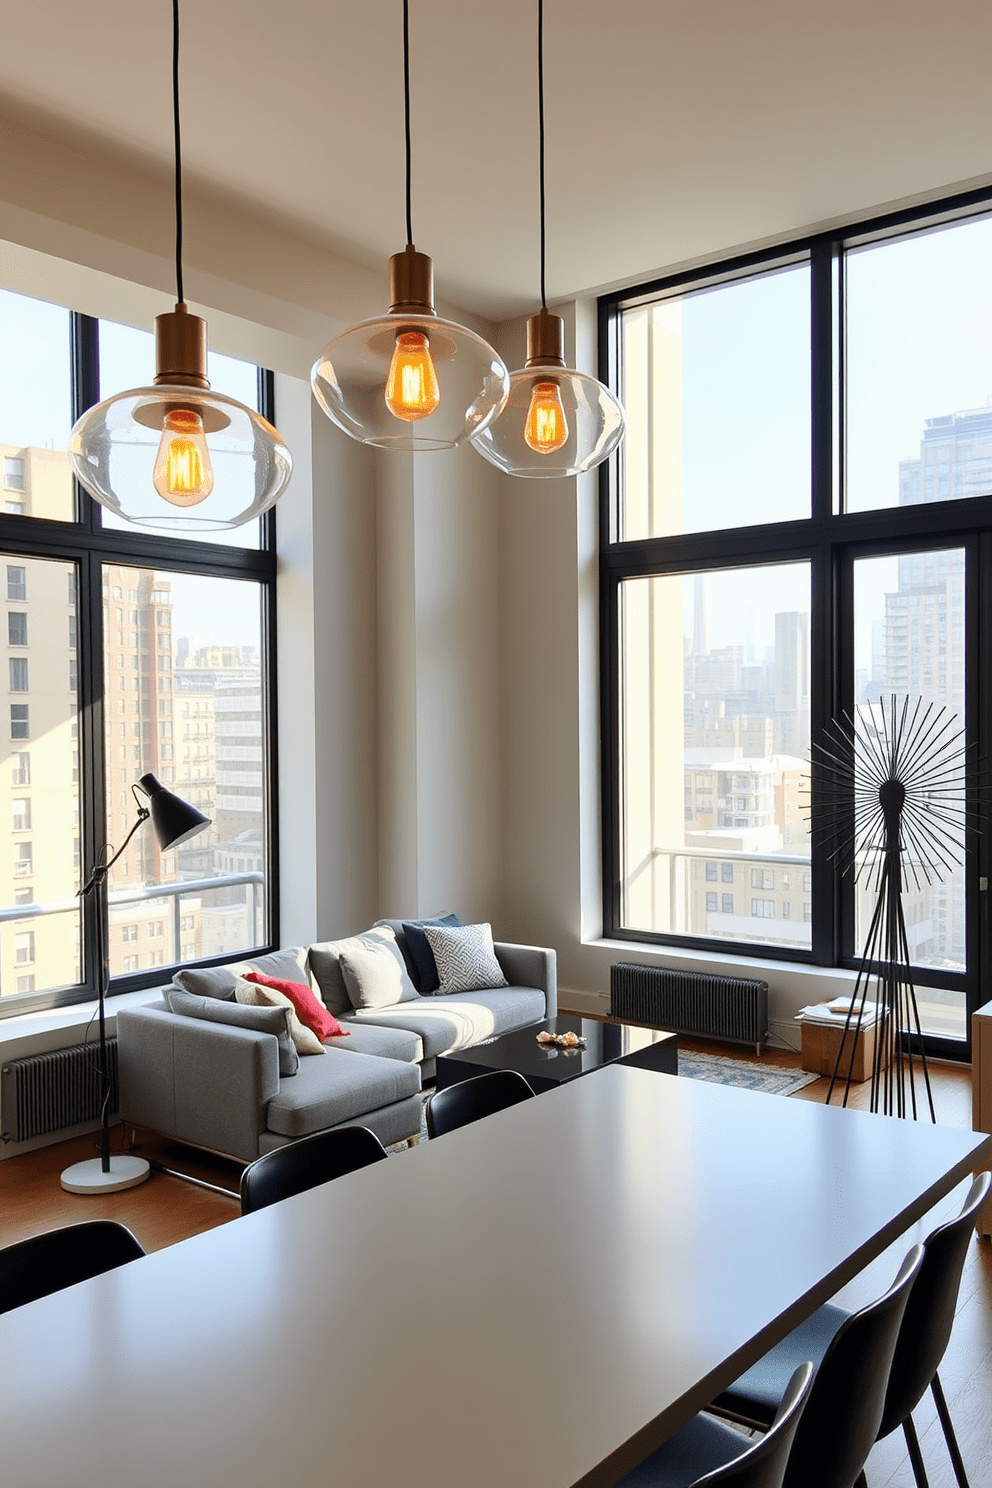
(981, 1093)
(820, 1042)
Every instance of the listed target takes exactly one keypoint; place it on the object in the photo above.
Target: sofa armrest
(531, 966)
(200, 1082)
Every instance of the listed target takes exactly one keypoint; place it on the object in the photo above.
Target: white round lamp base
(89, 1177)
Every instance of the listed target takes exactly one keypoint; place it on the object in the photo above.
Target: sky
(918, 337)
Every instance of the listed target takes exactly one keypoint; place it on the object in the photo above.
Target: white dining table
(534, 1301)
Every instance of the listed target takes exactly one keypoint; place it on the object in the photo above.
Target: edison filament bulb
(546, 429)
(183, 474)
(411, 388)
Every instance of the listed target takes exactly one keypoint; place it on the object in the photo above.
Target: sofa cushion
(465, 957)
(375, 974)
(420, 953)
(324, 961)
(209, 981)
(341, 1087)
(253, 994)
(219, 981)
(274, 1020)
(446, 1023)
(373, 1038)
(309, 1009)
(290, 965)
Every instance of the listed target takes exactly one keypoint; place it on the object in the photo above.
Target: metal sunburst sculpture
(895, 809)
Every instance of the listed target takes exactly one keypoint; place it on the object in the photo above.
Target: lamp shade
(115, 447)
(555, 421)
(453, 385)
(177, 455)
(174, 820)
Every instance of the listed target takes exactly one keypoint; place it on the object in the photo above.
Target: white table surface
(532, 1302)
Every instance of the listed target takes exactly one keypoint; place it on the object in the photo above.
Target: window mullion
(85, 373)
(93, 806)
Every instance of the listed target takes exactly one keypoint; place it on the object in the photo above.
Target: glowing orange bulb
(411, 388)
(183, 475)
(546, 428)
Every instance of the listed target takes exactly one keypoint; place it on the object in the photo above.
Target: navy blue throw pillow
(421, 954)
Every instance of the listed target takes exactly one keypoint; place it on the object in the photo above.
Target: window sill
(57, 1028)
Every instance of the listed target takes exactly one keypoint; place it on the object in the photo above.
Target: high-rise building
(792, 682)
(918, 650)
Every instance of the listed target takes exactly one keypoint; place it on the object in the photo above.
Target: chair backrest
(840, 1423)
(307, 1163)
(46, 1263)
(472, 1099)
(764, 1464)
(929, 1316)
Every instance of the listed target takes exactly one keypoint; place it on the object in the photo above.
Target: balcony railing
(171, 897)
(675, 896)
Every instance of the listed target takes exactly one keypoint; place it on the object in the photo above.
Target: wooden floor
(165, 1210)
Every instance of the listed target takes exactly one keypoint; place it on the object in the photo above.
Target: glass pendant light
(176, 455)
(409, 380)
(556, 421)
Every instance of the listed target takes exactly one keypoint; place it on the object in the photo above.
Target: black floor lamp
(175, 821)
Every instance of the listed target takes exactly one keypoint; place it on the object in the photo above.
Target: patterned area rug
(716, 1068)
(722, 1071)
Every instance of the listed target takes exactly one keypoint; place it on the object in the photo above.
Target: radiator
(49, 1092)
(733, 1008)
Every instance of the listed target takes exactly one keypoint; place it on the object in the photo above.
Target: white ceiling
(676, 131)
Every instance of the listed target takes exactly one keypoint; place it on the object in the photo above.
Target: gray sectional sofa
(218, 1086)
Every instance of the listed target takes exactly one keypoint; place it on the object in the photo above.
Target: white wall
(326, 669)
(440, 833)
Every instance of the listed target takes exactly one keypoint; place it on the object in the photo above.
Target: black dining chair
(470, 1100)
(47, 1263)
(923, 1339)
(840, 1420)
(307, 1163)
(708, 1454)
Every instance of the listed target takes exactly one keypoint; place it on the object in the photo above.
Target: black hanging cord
(406, 112)
(540, 110)
(179, 158)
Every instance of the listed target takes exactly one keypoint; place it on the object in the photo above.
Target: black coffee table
(548, 1065)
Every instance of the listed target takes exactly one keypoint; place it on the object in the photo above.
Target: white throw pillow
(466, 961)
(253, 994)
(375, 973)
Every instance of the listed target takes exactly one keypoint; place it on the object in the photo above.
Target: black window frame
(829, 541)
(89, 545)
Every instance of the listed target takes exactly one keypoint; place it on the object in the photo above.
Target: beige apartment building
(39, 776)
(144, 732)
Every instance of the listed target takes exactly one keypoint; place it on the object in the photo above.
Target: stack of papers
(834, 1013)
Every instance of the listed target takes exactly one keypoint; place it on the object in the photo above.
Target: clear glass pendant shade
(178, 458)
(456, 384)
(555, 422)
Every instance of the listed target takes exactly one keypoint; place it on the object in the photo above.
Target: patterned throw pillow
(420, 952)
(466, 961)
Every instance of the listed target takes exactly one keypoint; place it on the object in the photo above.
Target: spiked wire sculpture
(895, 810)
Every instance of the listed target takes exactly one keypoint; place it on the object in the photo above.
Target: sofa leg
(158, 1167)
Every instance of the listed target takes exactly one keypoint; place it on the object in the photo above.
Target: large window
(128, 652)
(797, 530)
